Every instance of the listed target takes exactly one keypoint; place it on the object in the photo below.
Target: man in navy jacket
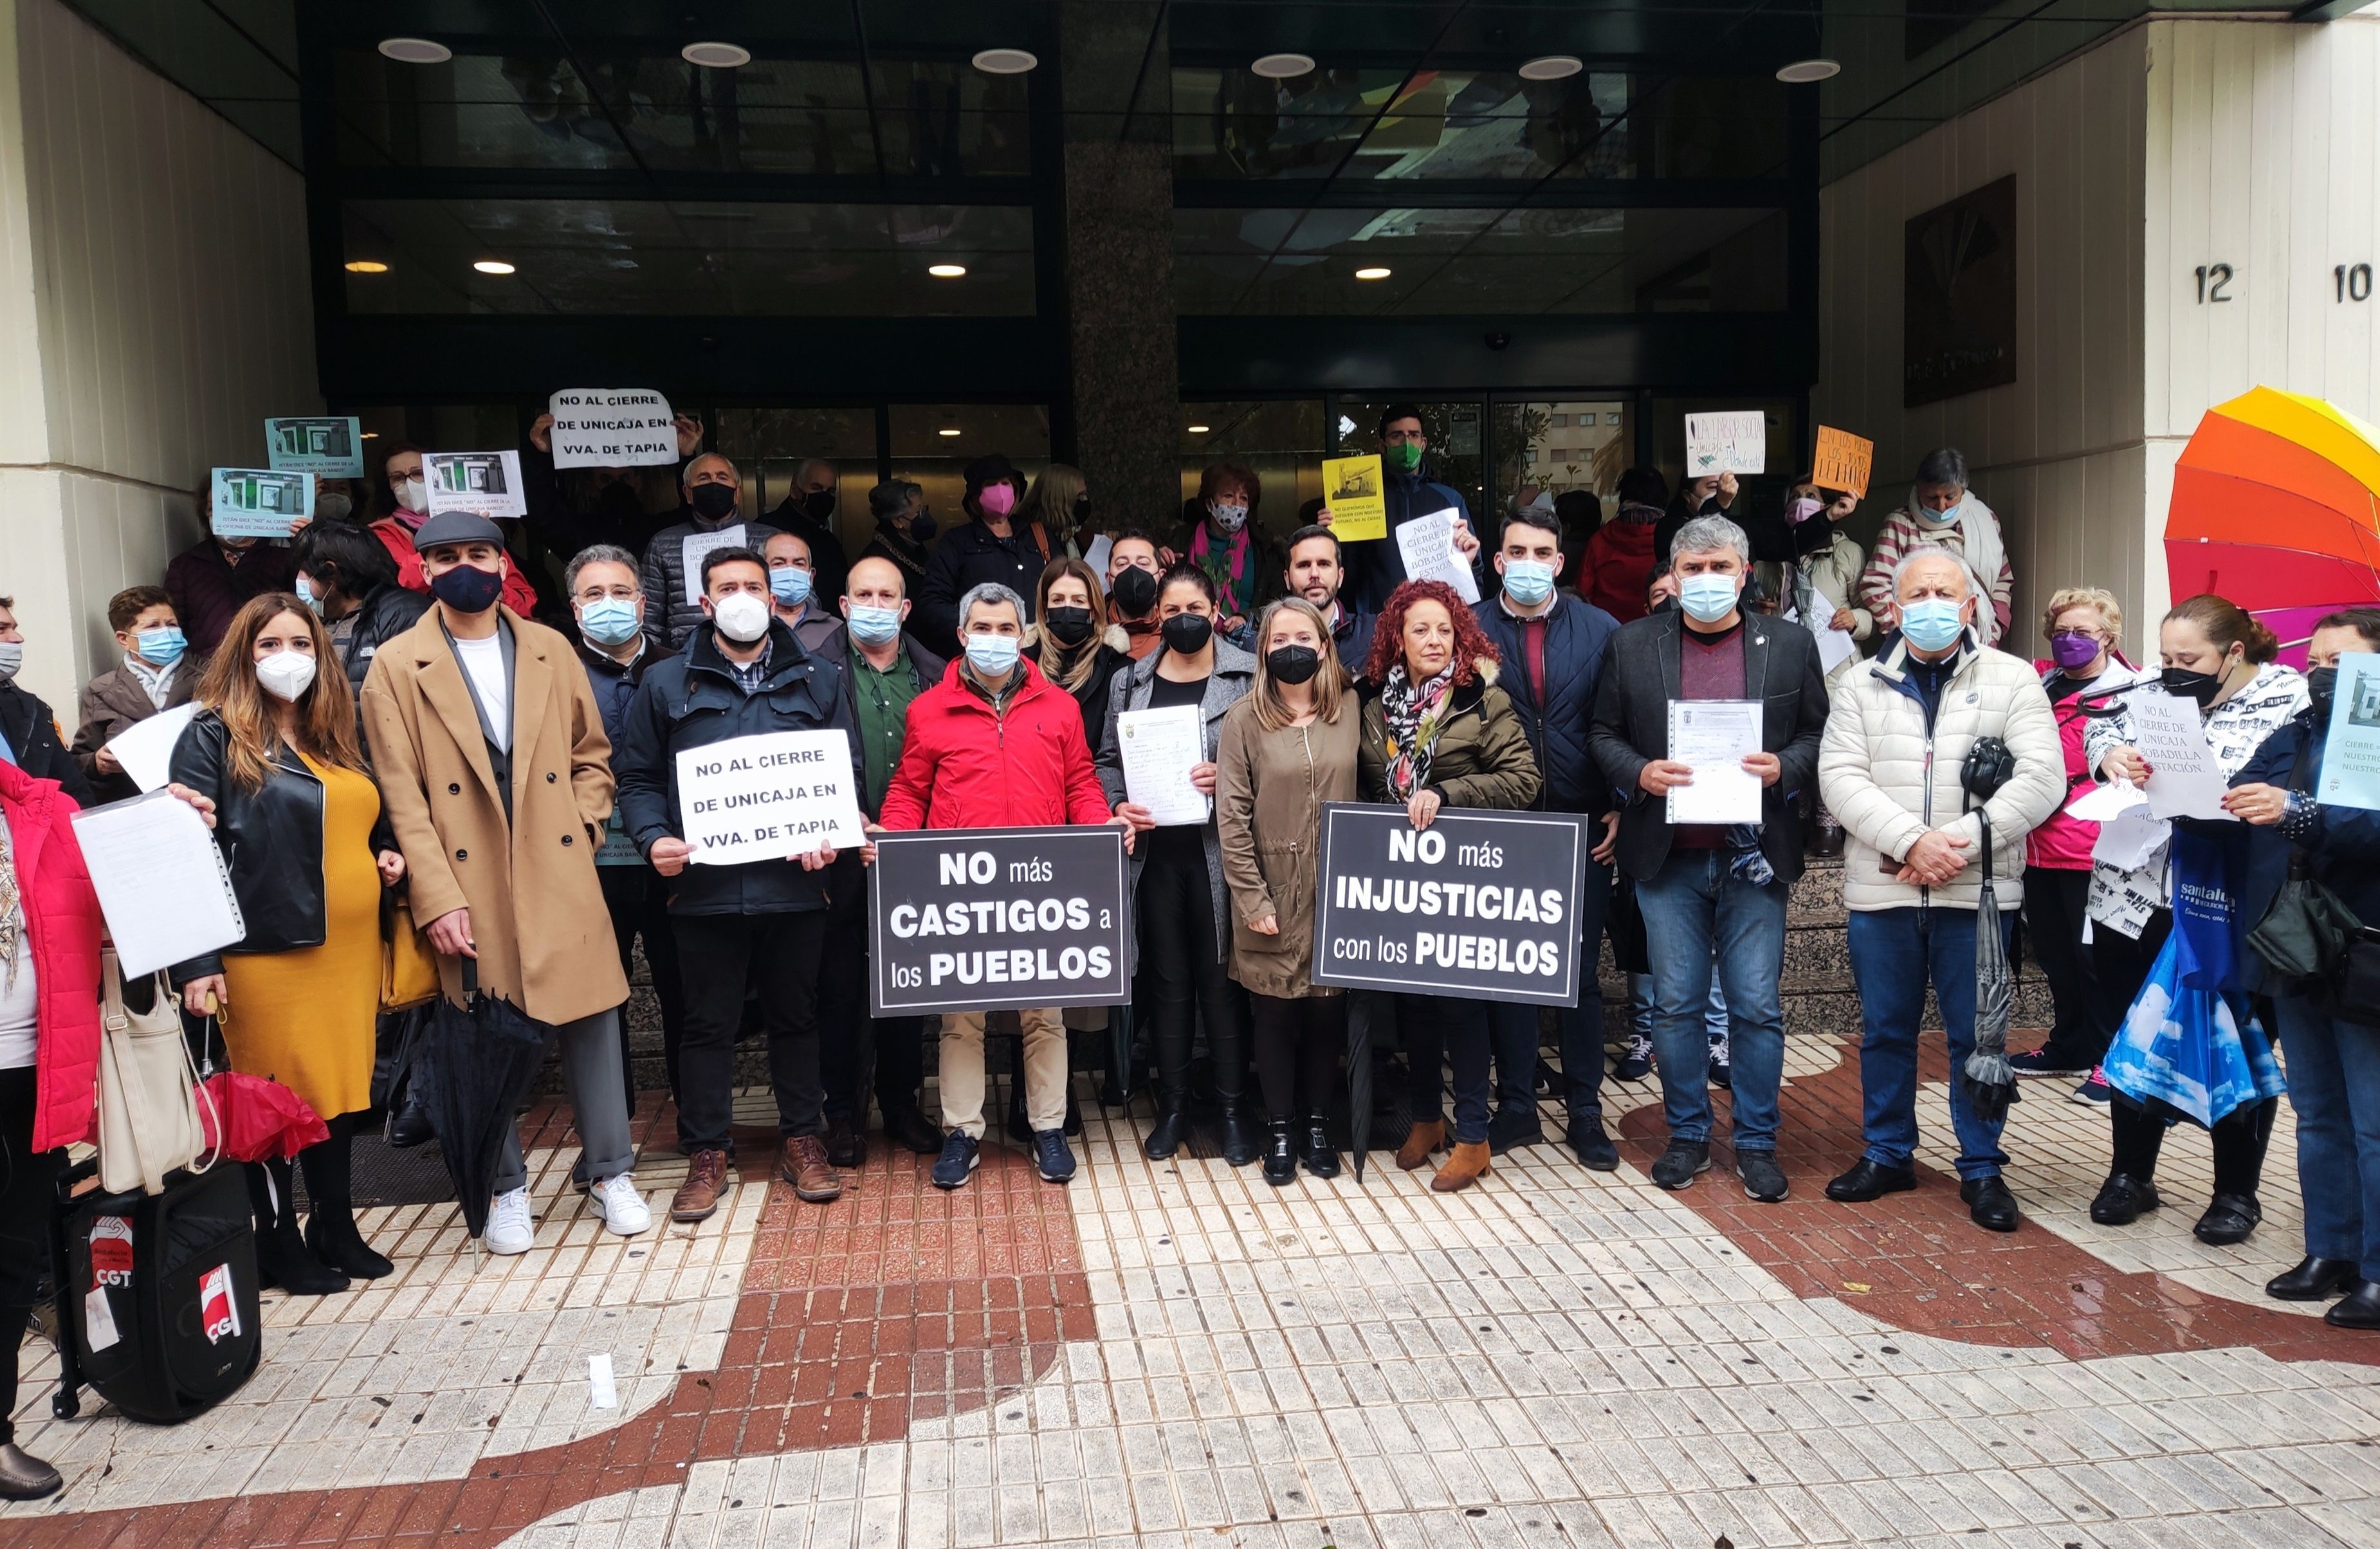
(1376, 567)
(1552, 647)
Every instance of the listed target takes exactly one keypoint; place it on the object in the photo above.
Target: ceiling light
(715, 56)
(371, 436)
(1373, 274)
(1283, 66)
(493, 266)
(1198, 429)
(948, 430)
(1005, 61)
(366, 266)
(947, 271)
(1551, 66)
(415, 51)
(1802, 71)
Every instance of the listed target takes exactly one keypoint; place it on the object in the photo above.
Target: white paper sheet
(1427, 544)
(1714, 737)
(1158, 749)
(1102, 549)
(1730, 441)
(2106, 803)
(767, 797)
(484, 483)
(1835, 647)
(2184, 779)
(145, 749)
(160, 881)
(612, 427)
(2127, 840)
(697, 544)
(603, 1388)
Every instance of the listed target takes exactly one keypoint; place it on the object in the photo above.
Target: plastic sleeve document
(1157, 749)
(161, 880)
(1713, 737)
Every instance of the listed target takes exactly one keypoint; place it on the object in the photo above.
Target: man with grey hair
(808, 512)
(1889, 768)
(996, 745)
(671, 571)
(1705, 885)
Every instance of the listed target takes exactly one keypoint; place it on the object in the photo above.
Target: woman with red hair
(1437, 734)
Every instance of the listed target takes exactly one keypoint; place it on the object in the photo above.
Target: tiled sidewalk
(1175, 1353)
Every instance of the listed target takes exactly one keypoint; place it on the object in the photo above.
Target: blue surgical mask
(161, 646)
(608, 621)
(1707, 598)
(1948, 516)
(1931, 622)
(790, 584)
(306, 595)
(871, 626)
(1528, 582)
(991, 656)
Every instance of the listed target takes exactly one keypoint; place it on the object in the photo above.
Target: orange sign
(1844, 461)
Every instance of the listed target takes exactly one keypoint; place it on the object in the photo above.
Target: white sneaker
(622, 1205)
(509, 1228)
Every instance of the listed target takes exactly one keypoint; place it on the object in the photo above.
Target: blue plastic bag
(2186, 1050)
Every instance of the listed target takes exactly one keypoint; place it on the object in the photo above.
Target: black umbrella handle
(471, 979)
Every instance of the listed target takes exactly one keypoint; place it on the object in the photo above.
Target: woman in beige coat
(1286, 748)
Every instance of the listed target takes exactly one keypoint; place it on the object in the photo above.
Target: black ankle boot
(1280, 1160)
(1171, 1129)
(1321, 1158)
(282, 1258)
(1240, 1144)
(332, 1237)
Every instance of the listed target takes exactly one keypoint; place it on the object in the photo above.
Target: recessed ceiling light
(1802, 71)
(715, 56)
(1283, 66)
(1005, 61)
(366, 266)
(1552, 67)
(948, 430)
(493, 266)
(415, 51)
(947, 271)
(1373, 274)
(1198, 429)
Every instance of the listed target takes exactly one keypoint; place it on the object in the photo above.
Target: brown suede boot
(1426, 1139)
(1468, 1164)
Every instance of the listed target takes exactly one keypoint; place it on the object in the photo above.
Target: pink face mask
(997, 500)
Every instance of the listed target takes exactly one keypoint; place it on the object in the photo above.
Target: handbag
(408, 969)
(149, 1090)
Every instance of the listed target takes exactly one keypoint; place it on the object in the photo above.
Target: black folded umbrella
(1359, 1078)
(486, 1052)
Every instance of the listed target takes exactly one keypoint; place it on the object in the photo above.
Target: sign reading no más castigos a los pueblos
(990, 919)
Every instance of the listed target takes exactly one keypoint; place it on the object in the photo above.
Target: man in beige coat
(495, 772)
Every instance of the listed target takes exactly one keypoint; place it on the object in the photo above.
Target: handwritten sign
(484, 483)
(612, 427)
(329, 446)
(258, 502)
(1844, 462)
(1354, 489)
(2184, 779)
(1735, 440)
(767, 797)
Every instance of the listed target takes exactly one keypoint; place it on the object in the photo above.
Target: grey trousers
(599, 1103)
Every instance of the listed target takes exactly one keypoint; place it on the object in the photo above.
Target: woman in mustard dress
(298, 823)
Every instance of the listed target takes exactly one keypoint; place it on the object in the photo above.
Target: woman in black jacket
(1073, 642)
(347, 575)
(298, 820)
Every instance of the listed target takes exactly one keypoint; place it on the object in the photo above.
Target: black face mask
(1068, 627)
(2321, 684)
(2199, 686)
(712, 501)
(467, 589)
(1187, 634)
(1135, 591)
(818, 504)
(1294, 663)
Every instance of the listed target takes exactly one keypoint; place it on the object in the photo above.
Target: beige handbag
(149, 1090)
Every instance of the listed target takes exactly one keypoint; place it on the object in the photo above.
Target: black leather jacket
(386, 612)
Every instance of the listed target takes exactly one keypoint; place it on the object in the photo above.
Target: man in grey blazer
(1705, 885)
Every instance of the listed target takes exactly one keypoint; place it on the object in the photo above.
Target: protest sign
(612, 427)
(991, 919)
(330, 448)
(1735, 441)
(2184, 779)
(1427, 545)
(1479, 905)
(1354, 489)
(258, 502)
(484, 483)
(768, 797)
(2350, 752)
(1844, 462)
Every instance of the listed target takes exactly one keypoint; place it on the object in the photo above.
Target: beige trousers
(1045, 1069)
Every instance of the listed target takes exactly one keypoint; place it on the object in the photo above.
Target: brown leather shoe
(1468, 1164)
(803, 1164)
(706, 1179)
(1425, 1140)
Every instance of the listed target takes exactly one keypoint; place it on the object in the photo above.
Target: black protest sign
(991, 919)
(1478, 905)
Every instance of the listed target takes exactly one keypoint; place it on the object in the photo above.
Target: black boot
(1280, 1160)
(1320, 1157)
(1171, 1129)
(1073, 1110)
(1240, 1145)
(331, 1234)
(1242, 1140)
(282, 1257)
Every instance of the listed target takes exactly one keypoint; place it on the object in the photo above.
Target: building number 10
(2353, 281)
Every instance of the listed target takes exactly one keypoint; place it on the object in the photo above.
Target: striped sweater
(1902, 534)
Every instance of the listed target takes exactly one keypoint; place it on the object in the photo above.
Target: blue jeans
(1894, 952)
(1440, 1031)
(2333, 1071)
(1515, 1027)
(1692, 904)
(1640, 1009)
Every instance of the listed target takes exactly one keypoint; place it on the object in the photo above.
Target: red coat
(397, 539)
(1616, 566)
(62, 930)
(963, 767)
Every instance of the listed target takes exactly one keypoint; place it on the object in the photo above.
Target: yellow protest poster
(1352, 488)
(1843, 462)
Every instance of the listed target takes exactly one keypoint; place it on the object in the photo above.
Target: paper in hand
(162, 882)
(2184, 779)
(1713, 737)
(1158, 750)
(483, 483)
(145, 749)
(1426, 544)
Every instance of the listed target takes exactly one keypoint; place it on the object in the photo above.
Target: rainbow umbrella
(2276, 505)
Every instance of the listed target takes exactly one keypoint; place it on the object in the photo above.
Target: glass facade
(1279, 441)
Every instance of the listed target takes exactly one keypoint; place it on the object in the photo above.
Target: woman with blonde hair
(1286, 748)
(1073, 641)
(299, 821)
(1057, 502)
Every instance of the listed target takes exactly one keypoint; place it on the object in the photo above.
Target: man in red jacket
(995, 745)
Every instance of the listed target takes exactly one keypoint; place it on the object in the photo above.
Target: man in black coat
(26, 727)
(1705, 885)
(347, 576)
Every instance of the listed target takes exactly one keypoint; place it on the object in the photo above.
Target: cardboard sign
(258, 502)
(767, 797)
(333, 448)
(612, 427)
(989, 919)
(1356, 494)
(1735, 441)
(484, 483)
(1844, 462)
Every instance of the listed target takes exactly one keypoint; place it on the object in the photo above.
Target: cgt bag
(408, 969)
(149, 1090)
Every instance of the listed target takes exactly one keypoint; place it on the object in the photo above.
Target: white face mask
(741, 616)
(285, 673)
(413, 495)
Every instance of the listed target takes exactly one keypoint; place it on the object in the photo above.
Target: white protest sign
(694, 546)
(612, 427)
(484, 483)
(2184, 779)
(769, 797)
(1735, 441)
(1427, 545)
(258, 502)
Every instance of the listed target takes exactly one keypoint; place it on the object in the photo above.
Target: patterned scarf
(1414, 718)
(12, 913)
(1233, 575)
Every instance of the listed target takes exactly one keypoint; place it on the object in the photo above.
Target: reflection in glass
(769, 445)
(933, 443)
(1560, 445)
(1279, 441)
